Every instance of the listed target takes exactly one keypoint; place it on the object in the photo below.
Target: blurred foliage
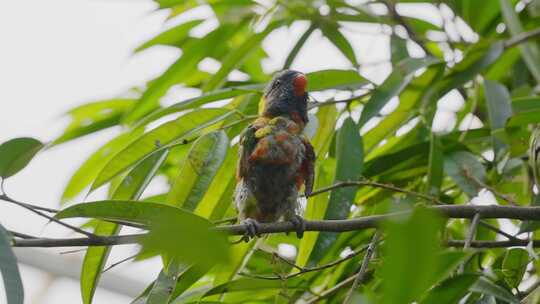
(477, 55)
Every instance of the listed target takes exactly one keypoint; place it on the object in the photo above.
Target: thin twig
(332, 290)
(360, 276)
(377, 185)
(21, 235)
(6, 198)
(303, 270)
(522, 37)
(493, 244)
(470, 238)
(497, 230)
(317, 104)
(35, 210)
(399, 19)
(120, 262)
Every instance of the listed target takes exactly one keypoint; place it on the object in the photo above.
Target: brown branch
(493, 244)
(449, 211)
(360, 276)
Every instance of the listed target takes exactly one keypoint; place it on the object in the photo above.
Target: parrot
(275, 158)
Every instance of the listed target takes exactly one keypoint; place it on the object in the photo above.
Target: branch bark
(449, 211)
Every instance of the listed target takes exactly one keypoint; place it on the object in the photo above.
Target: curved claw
(299, 225)
(252, 229)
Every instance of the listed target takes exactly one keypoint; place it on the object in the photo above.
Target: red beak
(300, 84)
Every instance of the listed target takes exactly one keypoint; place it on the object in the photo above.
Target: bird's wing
(308, 166)
(248, 141)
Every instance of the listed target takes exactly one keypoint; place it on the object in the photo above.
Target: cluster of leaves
(193, 145)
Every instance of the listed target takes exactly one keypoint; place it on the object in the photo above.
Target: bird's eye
(276, 84)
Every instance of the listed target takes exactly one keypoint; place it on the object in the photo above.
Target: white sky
(56, 54)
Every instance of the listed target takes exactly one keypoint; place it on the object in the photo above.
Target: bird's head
(286, 96)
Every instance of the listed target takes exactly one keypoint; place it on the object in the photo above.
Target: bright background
(55, 55)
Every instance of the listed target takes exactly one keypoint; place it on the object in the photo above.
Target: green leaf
(10, 270)
(16, 153)
(93, 117)
(485, 286)
(157, 139)
(331, 31)
(256, 285)
(298, 46)
(412, 247)
(172, 37)
(476, 60)
(466, 171)
(514, 265)
(413, 97)
(130, 188)
(170, 229)
(398, 49)
(499, 110)
(529, 50)
(451, 290)
(198, 170)
(218, 189)
(193, 53)
(402, 75)
(236, 57)
(526, 110)
(202, 100)
(435, 166)
(335, 79)
(164, 285)
(349, 166)
(88, 171)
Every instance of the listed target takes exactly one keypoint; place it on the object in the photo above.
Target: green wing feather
(248, 141)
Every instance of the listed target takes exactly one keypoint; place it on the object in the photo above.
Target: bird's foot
(299, 225)
(252, 229)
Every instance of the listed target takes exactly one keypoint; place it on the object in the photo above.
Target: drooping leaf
(170, 228)
(435, 167)
(93, 117)
(298, 46)
(255, 285)
(451, 290)
(130, 188)
(349, 166)
(487, 287)
(331, 31)
(393, 85)
(466, 171)
(9, 270)
(193, 53)
(235, 58)
(164, 285)
(412, 247)
(529, 51)
(499, 110)
(198, 170)
(172, 37)
(158, 139)
(525, 110)
(16, 153)
(88, 171)
(514, 265)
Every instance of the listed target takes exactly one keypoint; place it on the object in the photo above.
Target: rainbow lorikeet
(275, 157)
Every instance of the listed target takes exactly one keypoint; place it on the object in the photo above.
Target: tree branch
(449, 211)
(493, 244)
(360, 276)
